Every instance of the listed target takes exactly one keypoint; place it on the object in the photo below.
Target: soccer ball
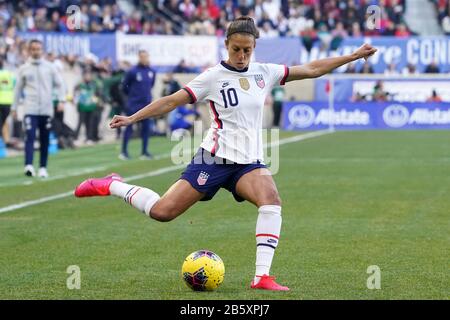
(203, 270)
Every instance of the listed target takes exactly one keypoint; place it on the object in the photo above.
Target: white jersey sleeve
(199, 87)
(277, 74)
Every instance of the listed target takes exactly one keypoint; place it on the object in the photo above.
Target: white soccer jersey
(236, 100)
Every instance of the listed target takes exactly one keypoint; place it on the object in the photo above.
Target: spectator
(434, 97)
(170, 85)
(410, 69)
(113, 88)
(379, 94)
(366, 68)
(309, 37)
(64, 133)
(356, 30)
(87, 97)
(182, 67)
(358, 97)
(324, 35)
(401, 31)
(267, 31)
(391, 69)
(338, 34)
(351, 68)
(432, 68)
(271, 8)
(389, 30)
(187, 9)
(179, 120)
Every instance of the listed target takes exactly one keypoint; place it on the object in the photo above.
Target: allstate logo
(396, 115)
(301, 116)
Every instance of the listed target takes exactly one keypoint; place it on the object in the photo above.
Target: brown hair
(244, 24)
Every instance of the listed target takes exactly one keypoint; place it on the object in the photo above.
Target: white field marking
(300, 137)
(56, 177)
(154, 173)
(76, 173)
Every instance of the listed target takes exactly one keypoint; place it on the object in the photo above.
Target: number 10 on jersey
(229, 97)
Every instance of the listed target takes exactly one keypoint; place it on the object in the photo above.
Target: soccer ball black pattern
(203, 270)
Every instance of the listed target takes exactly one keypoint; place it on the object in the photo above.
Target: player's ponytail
(244, 24)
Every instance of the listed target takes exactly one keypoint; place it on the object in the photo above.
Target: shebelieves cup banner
(299, 115)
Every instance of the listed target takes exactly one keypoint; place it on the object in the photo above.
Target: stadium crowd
(312, 19)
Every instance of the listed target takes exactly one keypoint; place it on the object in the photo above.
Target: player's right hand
(119, 121)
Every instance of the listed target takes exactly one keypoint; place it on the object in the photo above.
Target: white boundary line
(156, 172)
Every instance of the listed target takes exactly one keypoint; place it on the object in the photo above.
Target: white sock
(141, 198)
(268, 228)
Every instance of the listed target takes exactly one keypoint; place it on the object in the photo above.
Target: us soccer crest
(202, 178)
(260, 81)
(244, 83)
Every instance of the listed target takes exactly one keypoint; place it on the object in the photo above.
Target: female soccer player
(231, 155)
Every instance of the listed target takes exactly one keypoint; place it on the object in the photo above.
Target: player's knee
(271, 198)
(164, 213)
(276, 199)
(160, 215)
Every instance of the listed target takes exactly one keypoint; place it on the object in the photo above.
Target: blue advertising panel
(299, 115)
(79, 44)
(418, 51)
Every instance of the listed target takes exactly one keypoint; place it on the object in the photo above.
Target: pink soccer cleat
(96, 186)
(268, 283)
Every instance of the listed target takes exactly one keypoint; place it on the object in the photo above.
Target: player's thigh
(180, 197)
(258, 187)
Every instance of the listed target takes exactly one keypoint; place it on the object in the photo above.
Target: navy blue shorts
(207, 174)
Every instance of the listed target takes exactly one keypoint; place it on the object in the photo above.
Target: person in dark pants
(115, 95)
(87, 96)
(37, 79)
(137, 85)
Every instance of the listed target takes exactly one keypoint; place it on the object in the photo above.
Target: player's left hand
(365, 51)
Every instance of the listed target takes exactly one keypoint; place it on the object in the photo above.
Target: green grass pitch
(350, 200)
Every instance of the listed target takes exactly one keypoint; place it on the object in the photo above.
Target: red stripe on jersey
(216, 115)
(219, 126)
(267, 235)
(191, 93)
(216, 143)
(286, 74)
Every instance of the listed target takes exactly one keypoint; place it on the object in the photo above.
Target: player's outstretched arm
(320, 67)
(156, 108)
